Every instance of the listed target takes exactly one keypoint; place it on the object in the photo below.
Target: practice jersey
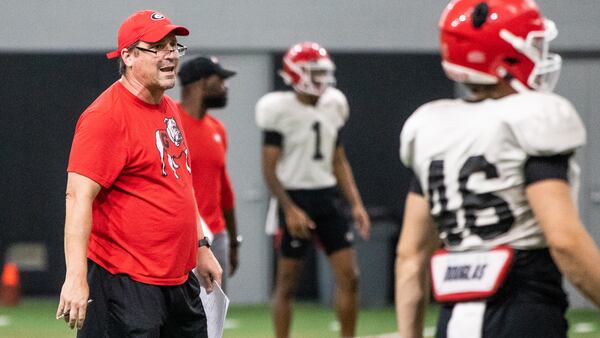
(207, 142)
(469, 159)
(309, 136)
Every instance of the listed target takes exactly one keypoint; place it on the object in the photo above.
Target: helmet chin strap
(309, 89)
(286, 78)
(518, 86)
(512, 81)
(306, 85)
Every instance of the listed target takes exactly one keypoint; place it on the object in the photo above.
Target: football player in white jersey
(304, 164)
(494, 185)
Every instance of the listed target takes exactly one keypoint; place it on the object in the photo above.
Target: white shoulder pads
(268, 109)
(547, 125)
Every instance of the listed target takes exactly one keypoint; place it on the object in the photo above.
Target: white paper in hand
(215, 305)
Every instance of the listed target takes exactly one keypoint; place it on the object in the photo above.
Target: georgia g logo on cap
(157, 16)
(147, 25)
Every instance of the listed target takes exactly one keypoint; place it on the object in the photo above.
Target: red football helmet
(308, 68)
(485, 41)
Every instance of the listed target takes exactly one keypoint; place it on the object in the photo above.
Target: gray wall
(244, 32)
(383, 25)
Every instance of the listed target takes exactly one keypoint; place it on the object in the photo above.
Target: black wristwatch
(204, 242)
(236, 242)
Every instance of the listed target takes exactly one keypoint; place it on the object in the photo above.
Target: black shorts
(123, 307)
(531, 303)
(324, 207)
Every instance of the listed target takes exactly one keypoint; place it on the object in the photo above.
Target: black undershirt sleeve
(414, 185)
(538, 168)
(340, 134)
(272, 138)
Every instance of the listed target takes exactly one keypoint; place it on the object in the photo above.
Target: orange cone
(10, 293)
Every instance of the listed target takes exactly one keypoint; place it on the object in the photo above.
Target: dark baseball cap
(202, 67)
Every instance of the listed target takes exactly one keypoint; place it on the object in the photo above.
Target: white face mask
(314, 77)
(546, 70)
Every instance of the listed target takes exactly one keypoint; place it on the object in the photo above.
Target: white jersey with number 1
(309, 136)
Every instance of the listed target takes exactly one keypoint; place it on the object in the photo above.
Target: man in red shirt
(132, 230)
(203, 81)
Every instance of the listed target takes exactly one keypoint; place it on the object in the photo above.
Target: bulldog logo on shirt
(171, 145)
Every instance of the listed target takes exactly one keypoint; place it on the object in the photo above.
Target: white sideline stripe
(231, 324)
(428, 332)
(386, 335)
(334, 326)
(4, 320)
(584, 327)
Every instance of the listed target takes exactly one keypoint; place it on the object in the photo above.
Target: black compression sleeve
(415, 185)
(539, 168)
(340, 134)
(273, 138)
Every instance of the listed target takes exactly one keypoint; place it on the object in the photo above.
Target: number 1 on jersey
(316, 127)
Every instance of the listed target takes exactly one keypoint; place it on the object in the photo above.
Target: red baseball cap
(149, 26)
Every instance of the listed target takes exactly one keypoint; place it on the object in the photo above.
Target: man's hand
(298, 223)
(233, 260)
(208, 268)
(362, 221)
(73, 301)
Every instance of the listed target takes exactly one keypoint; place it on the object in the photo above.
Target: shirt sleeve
(272, 138)
(407, 141)
(414, 185)
(222, 131)
(227, 196)
(266, 114)
(339, 137)
(99, 149)
(344, 107)
(538, 168)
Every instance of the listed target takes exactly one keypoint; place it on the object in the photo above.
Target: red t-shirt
(144, 218)
(207, 142)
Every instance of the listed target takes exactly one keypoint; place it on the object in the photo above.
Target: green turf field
(34, 318)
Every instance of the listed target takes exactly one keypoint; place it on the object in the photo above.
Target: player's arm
(298, 222)
(231, 224)
(227, 205)
(571, 246)
(270, 157)
(345, 179)
(80, 195)
(417, 242)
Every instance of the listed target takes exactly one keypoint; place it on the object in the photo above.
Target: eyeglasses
(179, 49)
